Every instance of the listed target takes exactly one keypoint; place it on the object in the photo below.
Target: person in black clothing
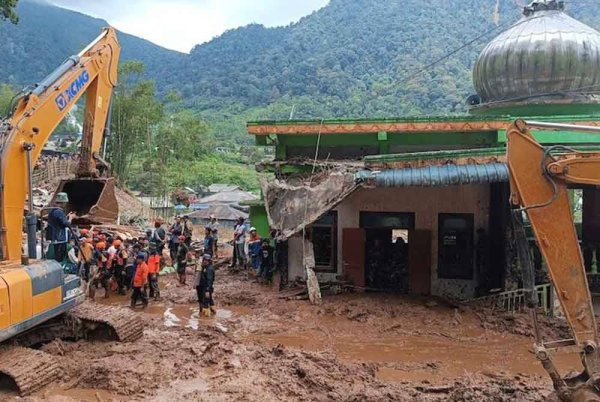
(182, 252)
(209, 241)
(59, 225)
(204, 281)
(132, 265)
(158, 238)
(175, 231)
(266, 262)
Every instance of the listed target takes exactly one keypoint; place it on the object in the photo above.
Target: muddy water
(419, 346)
(178, 315)
(435, 355)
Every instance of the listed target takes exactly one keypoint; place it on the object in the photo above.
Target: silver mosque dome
(547, 57)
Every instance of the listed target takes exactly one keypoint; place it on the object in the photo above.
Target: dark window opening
(324, 238)
(386, 249)
(455, 246)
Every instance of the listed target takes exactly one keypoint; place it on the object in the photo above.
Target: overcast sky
(181, 24)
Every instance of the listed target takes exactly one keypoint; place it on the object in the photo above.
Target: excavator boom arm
(539, 178)
(92, 72)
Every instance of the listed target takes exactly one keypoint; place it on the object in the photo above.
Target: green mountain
(353, 58)
(46, 35)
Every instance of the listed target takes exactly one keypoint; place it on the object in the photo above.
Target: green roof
(460, 153)
(425, 119)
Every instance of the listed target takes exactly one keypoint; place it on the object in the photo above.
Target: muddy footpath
(354, 347)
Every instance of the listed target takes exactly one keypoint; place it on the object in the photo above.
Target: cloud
(181, 24)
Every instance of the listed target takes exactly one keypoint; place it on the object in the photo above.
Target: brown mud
(354, 347)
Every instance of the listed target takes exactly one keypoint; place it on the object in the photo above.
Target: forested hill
(46, 35)
(353, 58)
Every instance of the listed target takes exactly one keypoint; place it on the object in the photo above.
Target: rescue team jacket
(141, 275)
(121, 257)
(87, 251)
(101, 258)
(118, 258)
(154, 264)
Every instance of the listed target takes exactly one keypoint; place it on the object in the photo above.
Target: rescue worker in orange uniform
(153, 270)
(139, 281)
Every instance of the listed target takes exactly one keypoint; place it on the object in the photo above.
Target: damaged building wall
(426, 204)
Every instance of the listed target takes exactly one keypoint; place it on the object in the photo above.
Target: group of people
(122, 265)
(253, 252)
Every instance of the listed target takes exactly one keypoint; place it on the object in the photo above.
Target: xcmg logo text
(64, 98)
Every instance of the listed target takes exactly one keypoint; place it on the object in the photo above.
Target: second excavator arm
(92, 72)
(539, 177)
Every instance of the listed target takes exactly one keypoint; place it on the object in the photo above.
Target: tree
(182, 136)
(135, 113)
(7, 96)
(7, 10)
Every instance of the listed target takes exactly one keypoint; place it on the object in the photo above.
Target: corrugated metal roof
(435, 176)
(220, 211)
(218, 187)
(227, 197)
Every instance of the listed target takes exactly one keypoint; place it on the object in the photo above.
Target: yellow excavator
(38, 302)
(539, 179)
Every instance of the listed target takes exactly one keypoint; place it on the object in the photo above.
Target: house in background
(162, 207)
(226, 216)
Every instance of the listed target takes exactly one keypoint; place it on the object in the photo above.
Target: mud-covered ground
(355, 347)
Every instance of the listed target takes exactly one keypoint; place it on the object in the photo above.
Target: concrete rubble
(293, 205)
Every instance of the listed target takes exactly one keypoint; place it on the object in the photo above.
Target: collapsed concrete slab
(293, 206)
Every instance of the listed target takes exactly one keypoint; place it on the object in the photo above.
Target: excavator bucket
(93, 200)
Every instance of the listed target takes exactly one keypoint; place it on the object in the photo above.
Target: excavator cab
(92, 199)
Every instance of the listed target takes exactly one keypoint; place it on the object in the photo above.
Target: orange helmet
(117, 243)
(83, 232)
(101, 245)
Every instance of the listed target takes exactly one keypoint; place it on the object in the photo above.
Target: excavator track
(30, 369)
(127, 326)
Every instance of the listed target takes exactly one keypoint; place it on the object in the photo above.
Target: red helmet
(182, 237)
(83, 232)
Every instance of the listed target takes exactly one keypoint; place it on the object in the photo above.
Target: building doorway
(387, 239)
